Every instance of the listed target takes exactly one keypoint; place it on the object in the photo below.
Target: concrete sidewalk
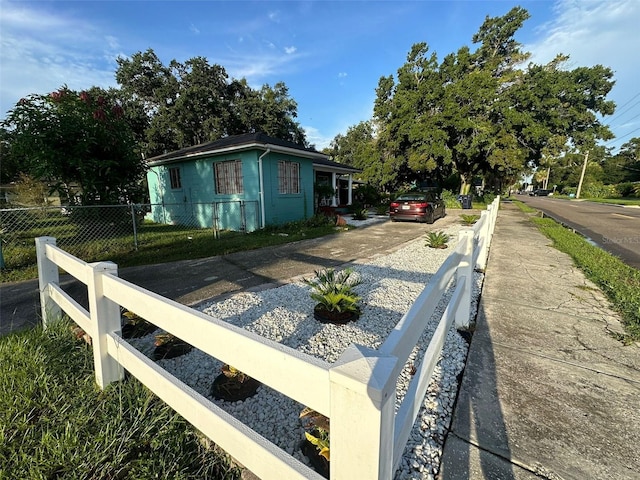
(547, 392)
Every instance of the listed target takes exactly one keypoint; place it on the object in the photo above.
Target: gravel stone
(390, 285)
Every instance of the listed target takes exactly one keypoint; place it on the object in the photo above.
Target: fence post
(363, 393)
(47, 273)
(214, 219)
(105, 317)
(243, 217)
(483, 234)
(465, 269)
(135, 227)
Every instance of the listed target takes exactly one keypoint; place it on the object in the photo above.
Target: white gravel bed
(285, 314)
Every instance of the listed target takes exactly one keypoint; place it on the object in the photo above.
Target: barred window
(228, 177)
(174, 178)
(288, 177)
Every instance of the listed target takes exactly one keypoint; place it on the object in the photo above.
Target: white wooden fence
(357, 392)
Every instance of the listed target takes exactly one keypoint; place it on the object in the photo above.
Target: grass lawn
(617, 201)
(56, 423)
(163, 243)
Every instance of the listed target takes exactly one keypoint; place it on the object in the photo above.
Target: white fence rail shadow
(357, 392)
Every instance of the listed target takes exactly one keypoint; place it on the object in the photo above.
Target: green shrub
(597, 190)
(360, 214)
(626, 189)
(382, 209)
(450, 199)
(469, 219)
(334, 289)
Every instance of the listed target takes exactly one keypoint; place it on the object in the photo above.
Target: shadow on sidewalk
(477, 445)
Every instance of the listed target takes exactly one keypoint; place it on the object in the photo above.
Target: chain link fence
(95, 233)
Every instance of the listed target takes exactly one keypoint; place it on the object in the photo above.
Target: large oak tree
(482, 112)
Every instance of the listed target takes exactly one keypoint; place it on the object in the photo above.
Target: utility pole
(584, 169)
(546, 180)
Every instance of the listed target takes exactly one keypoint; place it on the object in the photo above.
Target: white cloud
(290, 50)
(597, 33)
(316, 138)
(274, 17)
(40, 52)
(342, 74)
(194, 29)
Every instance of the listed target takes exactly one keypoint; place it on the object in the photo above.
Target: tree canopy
(195, 102)
(482, 113)
(79, 143)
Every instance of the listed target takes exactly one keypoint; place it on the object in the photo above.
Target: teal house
(243, 183)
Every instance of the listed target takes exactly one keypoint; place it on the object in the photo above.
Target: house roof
(248, 141)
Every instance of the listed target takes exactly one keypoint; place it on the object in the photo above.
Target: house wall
(193, 203)
(283, 208)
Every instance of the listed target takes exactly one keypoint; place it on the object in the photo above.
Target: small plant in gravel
(168, 345)
(333, 290)
(437, 239)
(316, 446)
(360, 214)
(135, 326)
(469, 219)
(233, 385)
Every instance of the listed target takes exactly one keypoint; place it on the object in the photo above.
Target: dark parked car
(540, 193)
(417, 206)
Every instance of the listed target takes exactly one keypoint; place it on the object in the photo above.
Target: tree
(72, 139)
(477, 114)
(357, 148)
(625, 165)
(195, 102)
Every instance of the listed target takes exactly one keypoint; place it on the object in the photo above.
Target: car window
(410, 197)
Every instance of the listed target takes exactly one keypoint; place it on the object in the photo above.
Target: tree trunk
(465, 184)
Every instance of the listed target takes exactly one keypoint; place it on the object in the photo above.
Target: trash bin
(465, 200)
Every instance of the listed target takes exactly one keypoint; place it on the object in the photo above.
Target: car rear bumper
(406, 216)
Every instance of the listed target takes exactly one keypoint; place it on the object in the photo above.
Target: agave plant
(437, 239)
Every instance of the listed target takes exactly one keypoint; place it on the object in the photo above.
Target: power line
(619, 114)
(618, 138)
(630, 100)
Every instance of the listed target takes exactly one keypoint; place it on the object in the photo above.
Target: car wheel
(429, 218)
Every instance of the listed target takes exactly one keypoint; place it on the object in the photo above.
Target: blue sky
(330, 54)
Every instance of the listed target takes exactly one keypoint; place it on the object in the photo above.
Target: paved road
(193, 281)
(611, 227)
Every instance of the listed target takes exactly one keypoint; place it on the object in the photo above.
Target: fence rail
(357, 392)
